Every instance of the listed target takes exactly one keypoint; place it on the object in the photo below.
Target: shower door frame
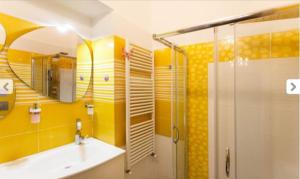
(213, 124)
(174, 106)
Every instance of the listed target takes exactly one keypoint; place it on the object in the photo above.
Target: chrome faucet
(78, 137)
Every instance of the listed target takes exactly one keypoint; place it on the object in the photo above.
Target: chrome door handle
(227, 162)
(176, 131)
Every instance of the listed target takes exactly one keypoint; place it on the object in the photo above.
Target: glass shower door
(257, 122)
(223, 72)
(179, 115)
(266, 117)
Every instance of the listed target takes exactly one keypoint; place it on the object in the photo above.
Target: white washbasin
(61, 162)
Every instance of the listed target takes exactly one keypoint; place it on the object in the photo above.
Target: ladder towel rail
(140, 134)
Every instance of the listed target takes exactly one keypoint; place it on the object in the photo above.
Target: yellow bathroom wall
(256, 47)
(162, 71)
(109, 96)
(103, 92)
(119, 87)
(109, 90)
(18, 136)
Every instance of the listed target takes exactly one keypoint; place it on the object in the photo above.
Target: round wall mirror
(7, 90)
(55, 63)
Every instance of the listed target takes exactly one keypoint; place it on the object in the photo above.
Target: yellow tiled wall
(162, 66)
(283, 44)
(18, 136)
(109, 96)
(120, 103)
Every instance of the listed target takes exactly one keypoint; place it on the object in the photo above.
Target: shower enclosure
(253, 123)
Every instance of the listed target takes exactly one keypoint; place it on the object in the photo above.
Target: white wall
(114, 24)
(155, 168)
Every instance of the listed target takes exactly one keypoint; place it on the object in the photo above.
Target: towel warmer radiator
(140, 109)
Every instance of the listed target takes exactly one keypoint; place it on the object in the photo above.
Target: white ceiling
(88, 8)
(136, 12)
(84, 11)
(161, 16)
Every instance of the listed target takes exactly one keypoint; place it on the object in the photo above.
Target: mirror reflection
(54, 63)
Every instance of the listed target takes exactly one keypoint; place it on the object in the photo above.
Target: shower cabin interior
(253, 124)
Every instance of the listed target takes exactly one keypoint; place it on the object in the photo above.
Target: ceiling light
(64, 28)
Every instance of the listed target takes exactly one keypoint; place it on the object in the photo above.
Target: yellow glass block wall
(256, 47)
(18, 136)
(199, 56)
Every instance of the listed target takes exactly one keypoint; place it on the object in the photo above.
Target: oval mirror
(7, 91)
(55, 63)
